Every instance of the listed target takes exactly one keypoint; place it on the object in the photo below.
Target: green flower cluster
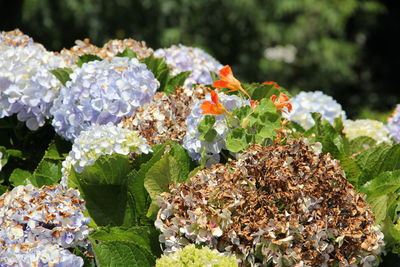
(194, 257)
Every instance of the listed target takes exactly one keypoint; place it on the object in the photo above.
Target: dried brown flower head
(108, 51)
(280, 204)
(164, 117)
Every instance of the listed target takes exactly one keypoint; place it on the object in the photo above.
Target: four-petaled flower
(281, 103)
(227, 80)
(276, 85)
(214, 107)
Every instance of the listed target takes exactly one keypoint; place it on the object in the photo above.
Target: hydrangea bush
(102, 92)
(129, 174)
(182, 58)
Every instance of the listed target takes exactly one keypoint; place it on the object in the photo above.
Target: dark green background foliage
(344, 47)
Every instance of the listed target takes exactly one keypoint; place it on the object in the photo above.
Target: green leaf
(237, 140)
(87, 58)
(379, 159)
(104, 187)
(351, 169)
(145, 237)
(57, 149)
(62, 74)
(15, 153)
(176, 81)
(259, 91)
(47, 172)
(136, 189)
(162, 174)
(384, 183)
(122, 253)
(20, 177)
(3, 189)
(206, 130)
(160, 70)
(127, 53)
(380, 205)
(361, 143)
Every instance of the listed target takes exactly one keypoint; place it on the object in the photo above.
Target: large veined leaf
(104, 186)
(122, 246)
(162, 174)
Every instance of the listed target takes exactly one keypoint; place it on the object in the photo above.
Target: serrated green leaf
(122, 253)
(237, 140)
(104, 187)
(160, 70)
(47, 173)
(136, 189)
(87, 58)
(351, 169)
(57, 149)
(145, 237)
(176, 81)
(206, 130)
(20, 177)
(378, 159)
(162, 174)
(259, 91)
(361, 143)
(127, 53)
(384, 183)
(380, 205)
(62, 74)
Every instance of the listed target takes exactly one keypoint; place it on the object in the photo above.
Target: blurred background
(346, 48)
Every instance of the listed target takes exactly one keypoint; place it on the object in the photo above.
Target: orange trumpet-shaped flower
(227, 80)
(214, 107)
(281, 103)
(276, 85)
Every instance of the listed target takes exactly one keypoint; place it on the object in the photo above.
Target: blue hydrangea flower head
(307, 102)
(394, 124)
(101, 92)
(182, 58)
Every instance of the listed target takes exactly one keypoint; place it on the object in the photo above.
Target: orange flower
(281, 103)
(227, 80)
(276, 85)
(253, 103)
(214, 107)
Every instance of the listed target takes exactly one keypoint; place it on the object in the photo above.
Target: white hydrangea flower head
(98, 140)
(37, 225)
(394, 124)
(370, 128)
(307, 102)
(101, 92)
(27, 88)
(182, 58)
(192, 141)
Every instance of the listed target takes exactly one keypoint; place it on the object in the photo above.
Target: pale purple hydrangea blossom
(38, 225)
(182, 58)
(27, 88)
(307, 102)
(192, 141)
(393, 124)
(98, 140)
(101, 92)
